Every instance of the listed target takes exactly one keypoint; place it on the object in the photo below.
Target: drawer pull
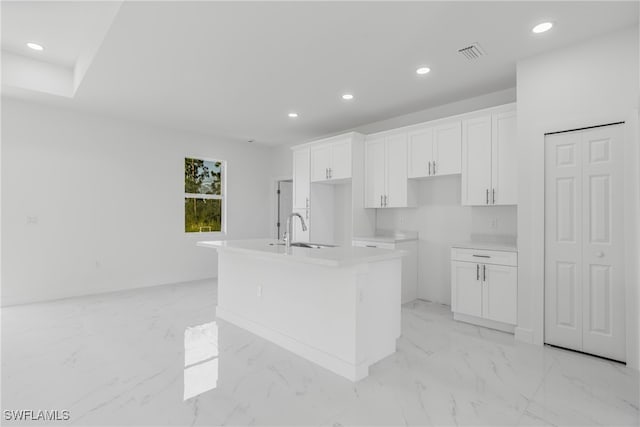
(477, 271)
(371, 246)
(482, 256)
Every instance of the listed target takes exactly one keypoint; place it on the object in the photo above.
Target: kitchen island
(338, 307)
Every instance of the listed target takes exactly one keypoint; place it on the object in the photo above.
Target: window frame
(222, 197)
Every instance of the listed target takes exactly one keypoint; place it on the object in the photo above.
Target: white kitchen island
(338, 307)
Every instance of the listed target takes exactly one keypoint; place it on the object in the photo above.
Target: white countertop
(333, 257)
(493, 246)
(388, 236)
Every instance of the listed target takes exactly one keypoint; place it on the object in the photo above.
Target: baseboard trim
(524, 335)
(486, 323)
(350, 371)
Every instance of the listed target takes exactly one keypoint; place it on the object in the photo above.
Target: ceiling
(234, 70)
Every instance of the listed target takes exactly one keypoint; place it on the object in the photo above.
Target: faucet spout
(287, 240)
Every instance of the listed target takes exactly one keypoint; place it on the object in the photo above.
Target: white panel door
(563, 240)
(396, 170)
(467, 288)
(584, 246)
(504, 159)
(447, 149)
(603, 299)
(500, 297)
(420, 153)
(476, 161)
(340, 159)
(375, 172)
(301, 177)
(320, 162)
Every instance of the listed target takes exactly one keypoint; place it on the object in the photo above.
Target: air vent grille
(472, 52)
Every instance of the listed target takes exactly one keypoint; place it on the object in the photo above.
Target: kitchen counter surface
(493, 246)
(383, 236)
(333, 257)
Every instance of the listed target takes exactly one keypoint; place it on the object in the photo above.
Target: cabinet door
(301, 176)
(420, 152)
(476, 161)
(466, 288)
(375, 172)
(340, 159)
(396, 171)
(504, 159)
(447, 148)
(298, 234)
(500, 293)
(320, 162)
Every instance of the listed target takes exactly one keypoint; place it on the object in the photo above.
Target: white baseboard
(524, 335)
(504, 327)
(351, 371)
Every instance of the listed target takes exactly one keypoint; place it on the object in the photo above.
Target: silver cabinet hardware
(307, 203)
(477, 271)
(330, 173)
(371, 246)
(484, 273)
(326, 173)
(381, 200)
(434, 167)
(481, 256)
(599, 254)
(487, 196)
(493, 197)
(386, 200)
(429, 168)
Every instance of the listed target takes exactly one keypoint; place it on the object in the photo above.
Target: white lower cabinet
(484, 287)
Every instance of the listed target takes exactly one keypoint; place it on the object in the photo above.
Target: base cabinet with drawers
(484, 287)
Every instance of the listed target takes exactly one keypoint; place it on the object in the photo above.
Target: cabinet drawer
(370, 244)
(485, 256)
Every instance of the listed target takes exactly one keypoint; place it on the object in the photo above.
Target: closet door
(603, 300)
(584, 246)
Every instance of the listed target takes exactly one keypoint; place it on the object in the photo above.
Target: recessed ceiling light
(347, 97)
(542, 27)
(293, 115)
(423, 70)
(35, 46)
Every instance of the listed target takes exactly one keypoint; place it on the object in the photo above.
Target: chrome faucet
(288, 235)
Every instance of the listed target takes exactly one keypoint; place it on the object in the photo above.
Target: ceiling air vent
(472, 52)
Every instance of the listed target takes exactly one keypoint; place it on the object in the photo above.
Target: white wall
(587, 84)
(108, 198)
(441, 221)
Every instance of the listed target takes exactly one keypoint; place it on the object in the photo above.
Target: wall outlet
(259, 291)
(32, 219)
(494, 224)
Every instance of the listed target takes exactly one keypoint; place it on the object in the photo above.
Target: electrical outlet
(259, 291)
(32, 219)
(494, 224)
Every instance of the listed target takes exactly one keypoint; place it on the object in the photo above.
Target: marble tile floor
(158, 357)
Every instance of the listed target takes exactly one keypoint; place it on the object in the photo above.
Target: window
(203, 195)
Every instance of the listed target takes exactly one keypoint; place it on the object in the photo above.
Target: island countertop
(329, 256)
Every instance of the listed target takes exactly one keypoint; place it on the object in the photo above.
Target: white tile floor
(119, 359)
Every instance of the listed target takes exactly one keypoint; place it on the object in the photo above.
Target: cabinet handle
(381, 200)
(487, 196)
(493, 195)
(481, 256)
(329, 173)
(386, 198)
(477, 271)
(484, 272)
(429, 168)
(434, 167)
(307, 213)
(307, 203)
(371, 246)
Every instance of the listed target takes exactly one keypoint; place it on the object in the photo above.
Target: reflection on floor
(158, 357)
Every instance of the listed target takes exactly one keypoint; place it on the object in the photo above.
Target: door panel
(341, 159)
(603, 246)
(420, 152)
(501, 293)
(301, 177)
(396, 153)
(584, 241)
(375, 172)
(320, 162)
(563, 240)
(504, 159)
(476, 161)
(467, 292)
(447, 148)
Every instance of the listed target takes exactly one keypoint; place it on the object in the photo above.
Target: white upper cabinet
(301, 177)
(434, 151)
(386, 183)
(489, 160)
(331, 160)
